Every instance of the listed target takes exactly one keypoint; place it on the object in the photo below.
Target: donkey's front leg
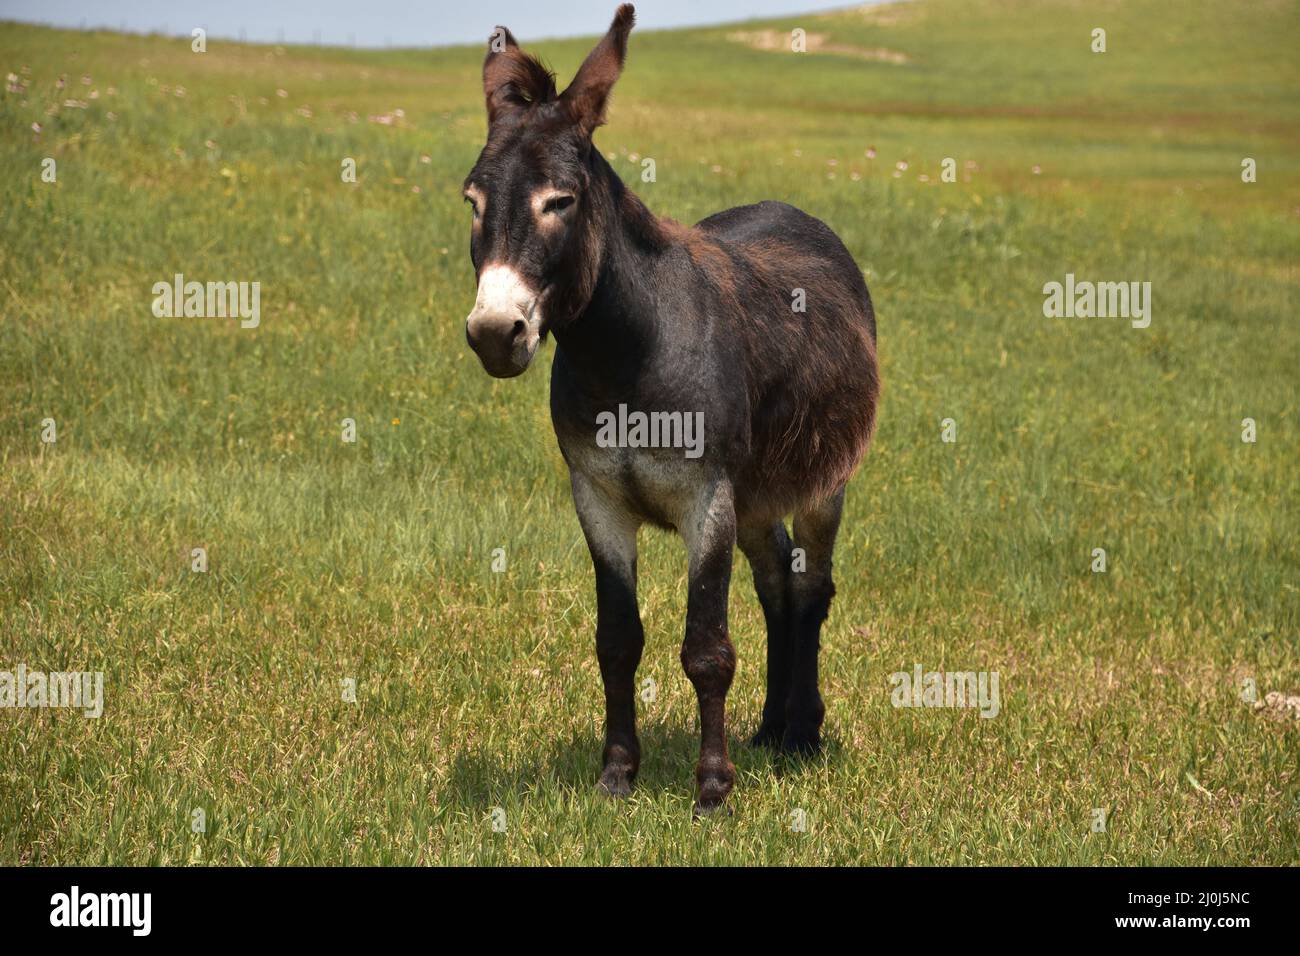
(611, 538)
(707, 655)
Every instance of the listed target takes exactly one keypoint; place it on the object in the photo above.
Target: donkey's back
(779, 226)
(774, 220)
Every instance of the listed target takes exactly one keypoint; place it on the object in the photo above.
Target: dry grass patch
(774, 41)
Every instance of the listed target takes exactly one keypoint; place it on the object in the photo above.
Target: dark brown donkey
(709, 380)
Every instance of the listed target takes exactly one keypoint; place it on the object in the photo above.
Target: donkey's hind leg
(811, 590)
(767, 548)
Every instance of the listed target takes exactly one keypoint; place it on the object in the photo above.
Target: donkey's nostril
(518, 329)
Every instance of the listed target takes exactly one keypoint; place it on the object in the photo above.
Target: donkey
(652, 316)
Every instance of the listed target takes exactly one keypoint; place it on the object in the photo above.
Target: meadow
(475, 733)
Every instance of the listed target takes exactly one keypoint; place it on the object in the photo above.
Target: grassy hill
(478, 690)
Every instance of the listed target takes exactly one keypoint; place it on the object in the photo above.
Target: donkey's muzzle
(504, 345)
(504, 328)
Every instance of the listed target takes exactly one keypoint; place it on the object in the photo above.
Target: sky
(380, 23)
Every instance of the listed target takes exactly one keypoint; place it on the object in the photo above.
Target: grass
(479, 690)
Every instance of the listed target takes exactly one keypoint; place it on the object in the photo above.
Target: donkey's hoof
(713, 781)
(769, 736)
(614, 782)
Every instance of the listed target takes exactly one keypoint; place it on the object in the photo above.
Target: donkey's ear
(498, 71)
(513, 80)
(587, 95)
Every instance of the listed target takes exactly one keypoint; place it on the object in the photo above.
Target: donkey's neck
(608, 343)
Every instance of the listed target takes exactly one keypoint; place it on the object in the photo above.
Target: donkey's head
(535, 238)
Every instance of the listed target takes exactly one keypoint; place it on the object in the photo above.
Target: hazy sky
(387, 22)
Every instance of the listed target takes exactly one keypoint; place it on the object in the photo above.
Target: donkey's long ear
(587, 95)
(513, 80)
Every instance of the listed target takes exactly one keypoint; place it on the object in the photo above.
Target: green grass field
(478, 696)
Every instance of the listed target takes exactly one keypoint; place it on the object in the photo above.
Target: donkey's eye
(557, 203)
